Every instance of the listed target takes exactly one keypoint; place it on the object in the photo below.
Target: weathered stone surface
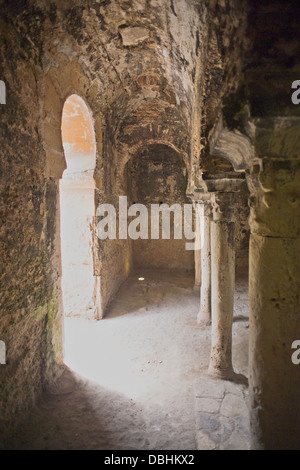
(132, 36)
(207, 421)
(233, 146)
(233, 405)
(204, 441)
(222, 421)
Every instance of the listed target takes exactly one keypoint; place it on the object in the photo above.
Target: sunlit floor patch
(98, 352)
(134, 348)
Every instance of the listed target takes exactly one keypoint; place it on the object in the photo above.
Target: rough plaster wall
(115, 256)
(29, 302)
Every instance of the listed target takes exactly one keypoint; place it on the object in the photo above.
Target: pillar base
(203, 318)
(224, 374)
(228, 374)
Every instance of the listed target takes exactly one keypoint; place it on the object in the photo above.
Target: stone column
(274, 296)
(204, 214)
(197, 253)
(223, 282)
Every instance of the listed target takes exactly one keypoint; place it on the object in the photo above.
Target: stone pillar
(197, 253)
(204, 316)
(223, 282)
(274, 296)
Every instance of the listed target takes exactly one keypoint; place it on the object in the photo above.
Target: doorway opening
(158, 175)
(80, 282)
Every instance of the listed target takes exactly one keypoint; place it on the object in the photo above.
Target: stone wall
(29, 320)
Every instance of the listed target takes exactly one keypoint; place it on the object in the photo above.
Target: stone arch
(157, 174)
(78, 136)
(61, 82)
(126, 154)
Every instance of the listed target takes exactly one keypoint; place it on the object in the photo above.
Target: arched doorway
(157, 174)
(80, 285)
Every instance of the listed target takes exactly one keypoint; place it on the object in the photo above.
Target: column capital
(274, 178)
(223, 204)
(217, 196)
(200, 197)
(204, 209)
(274, 185)
(217, 183)
(209, 187)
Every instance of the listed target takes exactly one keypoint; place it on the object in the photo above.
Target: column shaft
(223, 282)
(204, 316)
(197, 254)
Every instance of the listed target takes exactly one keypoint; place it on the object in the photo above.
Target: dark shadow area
(78, 414)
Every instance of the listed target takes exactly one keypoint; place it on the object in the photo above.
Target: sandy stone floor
(137, 379)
